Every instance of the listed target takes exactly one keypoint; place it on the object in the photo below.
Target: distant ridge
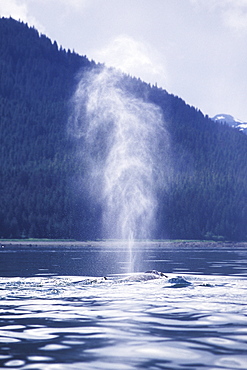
(231, 121)
(40, 175)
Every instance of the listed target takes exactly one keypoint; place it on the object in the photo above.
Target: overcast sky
(196, 49)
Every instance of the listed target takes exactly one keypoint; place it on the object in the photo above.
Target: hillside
(40, 170)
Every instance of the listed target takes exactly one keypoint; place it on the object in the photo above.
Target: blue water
(56, 311)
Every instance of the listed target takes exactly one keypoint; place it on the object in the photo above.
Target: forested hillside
(39, 175)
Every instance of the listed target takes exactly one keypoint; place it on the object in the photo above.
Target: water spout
(125, 147)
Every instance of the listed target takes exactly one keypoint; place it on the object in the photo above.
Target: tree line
(40, 173)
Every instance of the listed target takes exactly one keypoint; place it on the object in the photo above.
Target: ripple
(232, 362)
(67, 322)
(7, 339)
(39, 358)
(15, 363)
(53, 347)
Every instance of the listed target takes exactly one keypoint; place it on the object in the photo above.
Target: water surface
(58, 313)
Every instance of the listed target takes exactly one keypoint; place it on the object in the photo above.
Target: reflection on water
(77, 322)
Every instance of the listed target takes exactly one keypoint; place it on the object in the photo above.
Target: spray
(125, 147)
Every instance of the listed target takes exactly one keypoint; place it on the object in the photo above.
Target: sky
(195, 49)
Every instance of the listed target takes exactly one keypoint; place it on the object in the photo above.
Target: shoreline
(110, 242)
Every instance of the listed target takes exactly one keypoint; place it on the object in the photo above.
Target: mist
(125, 150)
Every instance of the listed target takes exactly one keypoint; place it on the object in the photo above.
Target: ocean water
(58, 312)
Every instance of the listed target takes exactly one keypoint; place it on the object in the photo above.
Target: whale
(145, 276)
(177, 281)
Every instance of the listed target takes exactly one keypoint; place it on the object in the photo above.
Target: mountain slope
(36, 83)
(41, 194)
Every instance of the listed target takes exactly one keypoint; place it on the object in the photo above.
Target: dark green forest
(40, 171)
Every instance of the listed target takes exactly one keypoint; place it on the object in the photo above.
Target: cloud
(18, 9)
(23, 9)
(133, 57)
(76, 4)
(14, 8)
(233, 13)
